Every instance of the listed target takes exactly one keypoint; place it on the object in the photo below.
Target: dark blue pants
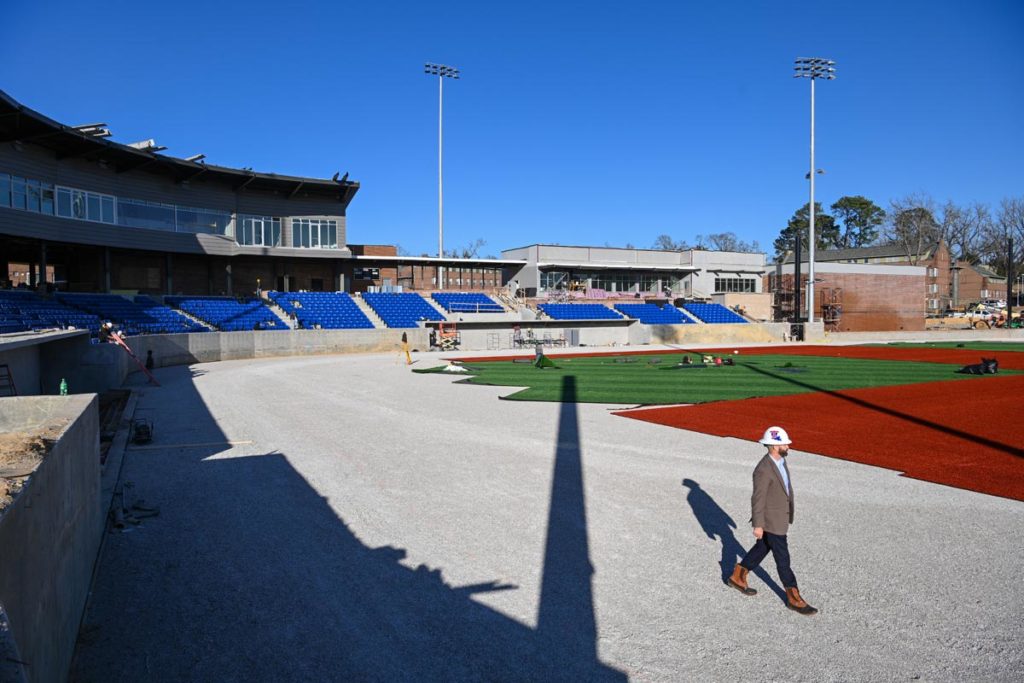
(779, 548)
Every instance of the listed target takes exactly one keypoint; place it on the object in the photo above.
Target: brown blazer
(771, 508)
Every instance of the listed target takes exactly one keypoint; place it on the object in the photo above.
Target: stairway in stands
(369, 312)
(195, 319)
(279, 312)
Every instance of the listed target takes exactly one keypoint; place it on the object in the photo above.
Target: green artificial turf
(975, 346)
(649, 380)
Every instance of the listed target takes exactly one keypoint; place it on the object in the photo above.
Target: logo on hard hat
(775, 435)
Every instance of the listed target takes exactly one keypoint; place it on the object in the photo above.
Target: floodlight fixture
(442, 70)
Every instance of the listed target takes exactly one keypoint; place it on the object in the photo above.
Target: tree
(859, 218)
(912, 225)
(963, 229)
(1009, 223)
(727, 241)
(666, 243)
(471, 250)
(825, 230)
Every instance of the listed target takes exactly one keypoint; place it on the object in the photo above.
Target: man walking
(772, 510)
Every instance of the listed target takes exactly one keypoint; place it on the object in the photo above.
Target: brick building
(855, 297)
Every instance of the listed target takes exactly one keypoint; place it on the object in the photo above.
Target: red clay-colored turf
(964, 434)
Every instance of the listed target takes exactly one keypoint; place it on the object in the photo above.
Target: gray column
(227, 279)
(168, 264)
(106, 270)
(42, 265)
(32, 280)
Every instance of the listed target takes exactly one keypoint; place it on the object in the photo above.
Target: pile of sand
(20, 455)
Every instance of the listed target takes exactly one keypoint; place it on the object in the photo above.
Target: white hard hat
(775, 436)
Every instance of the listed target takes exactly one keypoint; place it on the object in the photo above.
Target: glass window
(332, 235)
(93, 205)
(735, 284)
(202, 220)
(46, 199)
(138, 214)
(18, 193)
(107, 206)
(32, 187)
(314, 234)
(5, 190)
(64, 202)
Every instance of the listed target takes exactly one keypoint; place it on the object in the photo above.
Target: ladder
(116, 338)
(7, 382)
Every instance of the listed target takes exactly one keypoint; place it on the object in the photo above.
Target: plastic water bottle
(63, 387)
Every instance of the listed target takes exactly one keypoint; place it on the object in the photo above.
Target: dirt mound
(20, 455)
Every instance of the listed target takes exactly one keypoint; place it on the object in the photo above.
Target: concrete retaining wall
(50, 534)
(749, 333)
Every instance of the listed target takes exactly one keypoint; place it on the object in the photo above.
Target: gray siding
(41, 164)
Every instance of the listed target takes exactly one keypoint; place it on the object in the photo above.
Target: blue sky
(574, 122)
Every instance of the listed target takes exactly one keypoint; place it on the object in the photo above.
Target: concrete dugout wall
(51, 532)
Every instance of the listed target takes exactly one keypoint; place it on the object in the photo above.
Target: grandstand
(141, 315)
(22, 310)
(467, 302)
(651, 314)
(713, 313)
(227, 314)
(402, 309)
(579, 312)
(325, 310)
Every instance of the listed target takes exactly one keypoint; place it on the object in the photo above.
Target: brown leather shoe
(738, 580)
(797, 604)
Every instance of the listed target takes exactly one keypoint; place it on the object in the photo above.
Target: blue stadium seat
(579, 312)
(467, 302)
(402, 309)
(227, 314)
(651, 314)
(327, 310)
(713, 313)
(22, 310)
(140, 315)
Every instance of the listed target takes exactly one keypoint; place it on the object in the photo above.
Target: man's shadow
(716, 523)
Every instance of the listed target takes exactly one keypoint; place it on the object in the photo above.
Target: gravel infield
(374, 524)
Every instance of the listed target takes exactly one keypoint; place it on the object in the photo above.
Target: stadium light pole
(442, 71)
(812, 68)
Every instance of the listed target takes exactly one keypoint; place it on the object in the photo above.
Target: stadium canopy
(19, 124)
(434, 260)
(617, 266)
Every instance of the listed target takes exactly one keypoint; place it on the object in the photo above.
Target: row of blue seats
(401, 309)
(141, 315)
(227, 314)
(27, 310)
(579, 312)
(467, 302)
(652, 314)
(327, 310)
(713, 313)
